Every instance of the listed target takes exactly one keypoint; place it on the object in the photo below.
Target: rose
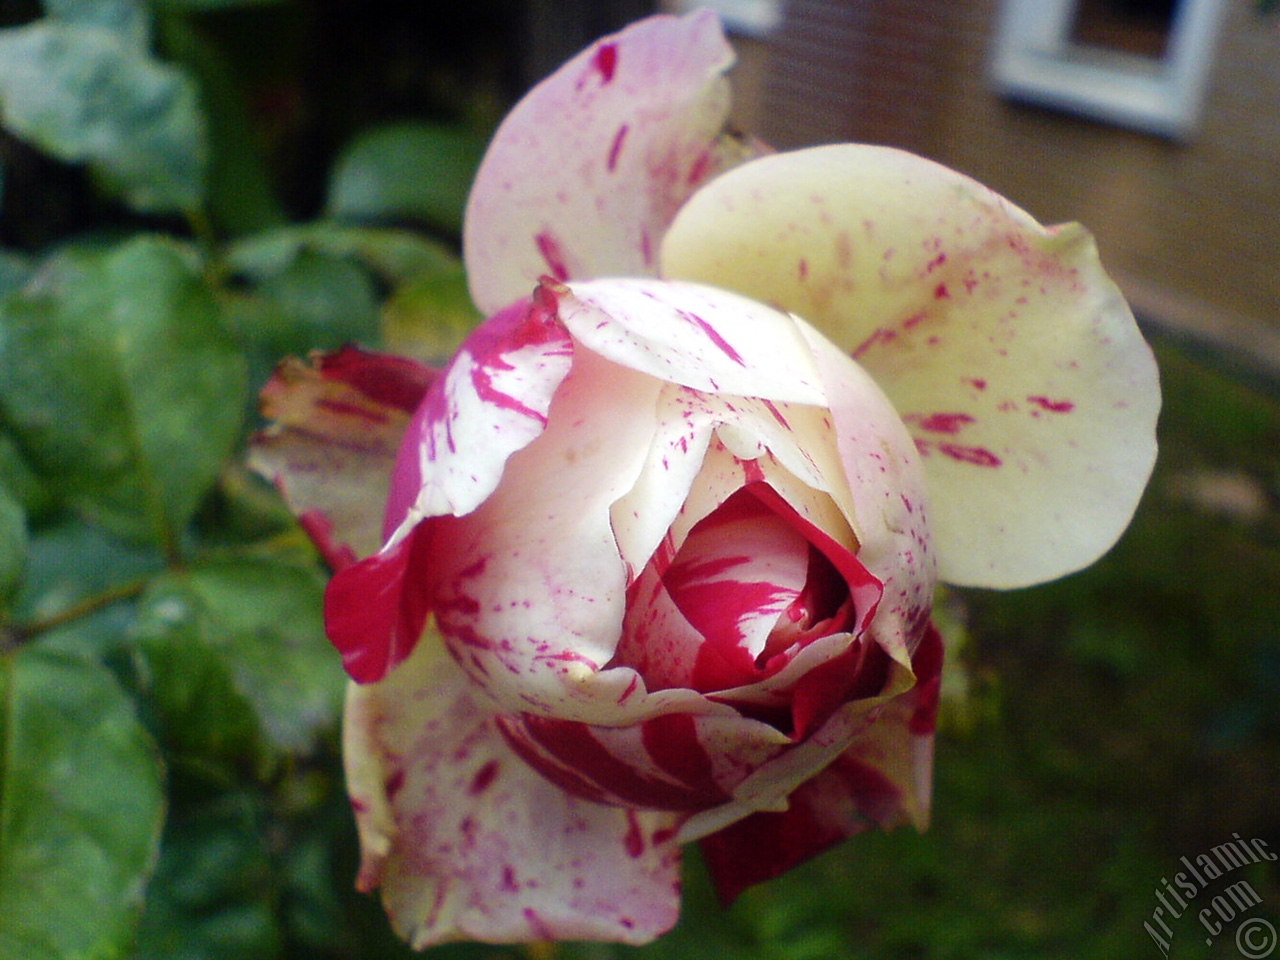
(656, 564)
(685, 574)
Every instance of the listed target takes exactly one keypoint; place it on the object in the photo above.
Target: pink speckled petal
(336, 426)
(586, 172)
(468, 842)
(531, 584)
(490, 401)
(1010, 354)
(697, 336)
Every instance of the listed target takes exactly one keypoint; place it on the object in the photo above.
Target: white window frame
(751, 18)
(1035, 60)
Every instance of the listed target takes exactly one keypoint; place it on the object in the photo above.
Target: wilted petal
(586, 172)
(336, 426)
(467, 842)
(1008, 351)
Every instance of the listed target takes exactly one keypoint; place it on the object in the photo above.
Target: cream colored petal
(1005, 347)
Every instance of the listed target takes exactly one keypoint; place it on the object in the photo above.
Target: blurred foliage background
(191, 190)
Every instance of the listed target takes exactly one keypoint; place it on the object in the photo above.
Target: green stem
(14, 635)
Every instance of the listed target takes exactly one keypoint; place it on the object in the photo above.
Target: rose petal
(891, 514)
(531, 584)
(586, 172)
(337, 424)
(792, 447)
(890, 733)
(672, 761)
(678, 634)
(490, 401)
(467, 841)
(701, 337)
(1011, 355)
(736, 574)
(374, 610)
(872, 470)
(534, 633)
(642, 516)
(841, 801)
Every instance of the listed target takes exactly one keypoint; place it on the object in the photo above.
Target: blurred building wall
(1191, 230)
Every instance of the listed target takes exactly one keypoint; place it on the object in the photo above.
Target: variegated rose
(660, 542)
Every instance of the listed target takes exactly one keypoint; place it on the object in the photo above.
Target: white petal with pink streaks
(586, 172)
(692, 440)
(892, 511)
(467, 842)
(673, 762)
(491, 400)
(642, 516)
(697, 336)
(532, 600)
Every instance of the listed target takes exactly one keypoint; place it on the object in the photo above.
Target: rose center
(743, 594)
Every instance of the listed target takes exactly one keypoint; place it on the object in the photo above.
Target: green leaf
(121, 385)
(17, 476)
(407, 171)
(319, 302)
(78, 592)
(127, 18)
(13, 545)
(15, 270)
(84, 95)
(81, 808)
(236, 649)
(71, 562)
(189, 697)
(212, 894)
(394, 255)
(429, 317)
